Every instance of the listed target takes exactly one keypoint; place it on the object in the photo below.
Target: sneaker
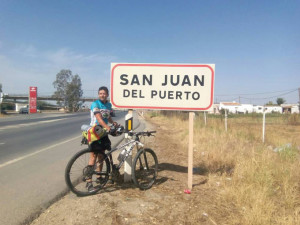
(110, 181)
(100, 180)
(88, 173)
(89, 186)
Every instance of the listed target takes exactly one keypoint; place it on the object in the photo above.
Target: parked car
(23, 111)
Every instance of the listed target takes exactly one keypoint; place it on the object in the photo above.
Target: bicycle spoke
(145, 169)
(78, 173)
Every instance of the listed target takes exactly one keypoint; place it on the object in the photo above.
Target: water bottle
(122, 155)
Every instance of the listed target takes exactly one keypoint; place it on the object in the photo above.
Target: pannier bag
(93, 133)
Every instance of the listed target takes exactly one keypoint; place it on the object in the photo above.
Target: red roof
(231, 103)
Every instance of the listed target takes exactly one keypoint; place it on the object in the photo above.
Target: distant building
(273, 109)
(290, 108)
(20, 106)
(231, 107)
(234, 107)
(214, 109)
(258, 109)
(245, 108)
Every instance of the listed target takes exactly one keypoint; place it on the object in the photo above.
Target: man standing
(100, 115)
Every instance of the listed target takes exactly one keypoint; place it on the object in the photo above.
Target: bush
(293, 119)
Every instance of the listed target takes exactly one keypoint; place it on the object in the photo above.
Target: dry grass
(261, 180)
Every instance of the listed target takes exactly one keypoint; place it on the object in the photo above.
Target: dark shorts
(101, 145)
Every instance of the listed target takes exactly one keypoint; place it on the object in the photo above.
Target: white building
(231, 107)
(258, 109)
(214, 109)
(234, 107)
(290, 108)
(245, 108)
(273, 109)
(20, 106)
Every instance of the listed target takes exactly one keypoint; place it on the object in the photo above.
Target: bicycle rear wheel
(145, 168)
(78, 172)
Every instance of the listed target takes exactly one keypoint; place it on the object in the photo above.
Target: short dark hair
(103, 88)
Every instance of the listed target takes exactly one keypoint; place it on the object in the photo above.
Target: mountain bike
(144, 167)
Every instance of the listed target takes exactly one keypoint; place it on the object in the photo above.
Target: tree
(280, 101)
(68, 89)
(0, 87)
(270, 103)
(61, 83)
(74, 93)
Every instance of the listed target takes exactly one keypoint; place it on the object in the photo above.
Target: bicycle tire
(76, 173)
(145, 168)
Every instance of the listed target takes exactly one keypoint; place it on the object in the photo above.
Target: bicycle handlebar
(120, 129)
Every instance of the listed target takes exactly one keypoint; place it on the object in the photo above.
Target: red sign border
(163, 65)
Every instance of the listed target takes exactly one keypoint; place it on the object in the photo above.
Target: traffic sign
(187, 87)
(32, 99)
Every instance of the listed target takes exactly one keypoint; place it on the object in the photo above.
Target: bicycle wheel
(145, 167)
(78, 172)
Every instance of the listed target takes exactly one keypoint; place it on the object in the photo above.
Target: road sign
(32, 99)
(187, 87)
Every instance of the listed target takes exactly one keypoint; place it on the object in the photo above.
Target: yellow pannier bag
(94, 133)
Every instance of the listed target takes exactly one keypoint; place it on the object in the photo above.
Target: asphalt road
(34, 150)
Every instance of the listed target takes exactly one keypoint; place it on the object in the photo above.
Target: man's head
(103, 93)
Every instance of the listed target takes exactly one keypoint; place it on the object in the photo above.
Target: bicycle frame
(130, 145)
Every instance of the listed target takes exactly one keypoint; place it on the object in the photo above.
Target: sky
(255, 45)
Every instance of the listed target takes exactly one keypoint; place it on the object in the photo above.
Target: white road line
(29, 124)
(37, 152)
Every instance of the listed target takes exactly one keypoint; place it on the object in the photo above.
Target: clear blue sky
(255, 45)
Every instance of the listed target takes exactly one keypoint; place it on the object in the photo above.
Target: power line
(235, 98)
(272, 96)
(261, 93)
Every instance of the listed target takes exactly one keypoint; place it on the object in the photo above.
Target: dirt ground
(164, 203)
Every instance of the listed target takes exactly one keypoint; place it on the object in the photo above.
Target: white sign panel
(162, 86)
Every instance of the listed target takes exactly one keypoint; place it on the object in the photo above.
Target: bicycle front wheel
(78, 173)
(145, 167)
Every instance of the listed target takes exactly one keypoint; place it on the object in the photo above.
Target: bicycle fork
(142, 166)
(146, 166)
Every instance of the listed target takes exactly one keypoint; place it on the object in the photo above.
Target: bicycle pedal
(110, 181)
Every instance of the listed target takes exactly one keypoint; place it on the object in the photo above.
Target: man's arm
(101, 122)
(111, 121)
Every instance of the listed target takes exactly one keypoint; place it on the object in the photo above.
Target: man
(100, 115)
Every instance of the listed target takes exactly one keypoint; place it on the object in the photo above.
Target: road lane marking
(36, 152)
(30, 124)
